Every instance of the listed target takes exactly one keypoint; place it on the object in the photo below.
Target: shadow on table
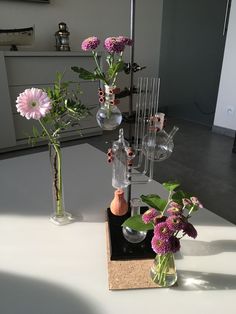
(21, 295)
(194, 280)
(203, 248)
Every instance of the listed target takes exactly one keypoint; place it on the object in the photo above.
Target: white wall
(89, 17)
(225, 115)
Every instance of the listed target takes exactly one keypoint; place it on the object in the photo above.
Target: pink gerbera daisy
(33, 103)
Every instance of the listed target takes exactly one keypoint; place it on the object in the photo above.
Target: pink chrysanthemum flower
(90, 43)
(196, 201)
(190, 230)
(126, 40)
(174, 223)
(174, 204)
(160, 246)
(149, 215)
(158, 219)
(186, 201)
(114, 45)
(162, 231)
(174, 211)
(175, 244)
(33, 103)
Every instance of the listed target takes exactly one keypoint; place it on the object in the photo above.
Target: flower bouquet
(169, 220)
(108, 116)
(56, 109)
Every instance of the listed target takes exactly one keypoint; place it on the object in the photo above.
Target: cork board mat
(128, 274)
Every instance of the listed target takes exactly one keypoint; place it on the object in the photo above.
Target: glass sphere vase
(109, 117)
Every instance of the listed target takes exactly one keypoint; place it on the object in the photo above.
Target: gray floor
(202, 162)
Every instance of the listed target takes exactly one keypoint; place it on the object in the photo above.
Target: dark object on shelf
(126, 92)
(120, 248)
(13, 48)
(62, 37)
(135, 68)
(234, 146)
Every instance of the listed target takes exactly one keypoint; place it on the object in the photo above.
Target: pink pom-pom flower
(161, 246)
(90, 43)
(114, 45)
(149, 215)
(126, 40)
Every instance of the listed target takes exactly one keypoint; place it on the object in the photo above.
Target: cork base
(128, 274)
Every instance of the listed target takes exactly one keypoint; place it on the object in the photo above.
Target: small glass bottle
(132, 235)
(120, 171)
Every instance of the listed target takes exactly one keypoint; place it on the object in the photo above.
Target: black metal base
(234, 146)
(120, 248)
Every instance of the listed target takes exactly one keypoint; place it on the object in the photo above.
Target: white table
(63, 270)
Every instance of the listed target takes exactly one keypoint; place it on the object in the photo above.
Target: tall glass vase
(109, 116)
(163, 271)
(59, 215)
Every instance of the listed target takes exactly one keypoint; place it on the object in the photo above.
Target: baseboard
(223, 131)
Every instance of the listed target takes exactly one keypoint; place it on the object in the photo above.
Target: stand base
(120, 248)
(61, 220)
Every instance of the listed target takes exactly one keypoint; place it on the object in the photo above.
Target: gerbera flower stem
(57, 168)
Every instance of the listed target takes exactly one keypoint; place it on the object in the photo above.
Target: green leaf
(179, 195)
(135, 222)
(170, 186)
(84, 74)
(154, 201)
(115, 68)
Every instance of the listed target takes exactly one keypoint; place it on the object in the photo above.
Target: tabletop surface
(49, 269)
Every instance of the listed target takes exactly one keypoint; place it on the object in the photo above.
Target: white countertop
(50, 269)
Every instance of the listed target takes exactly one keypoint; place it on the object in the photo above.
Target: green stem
(162, 269)
(57, 175)
(99, 68)
(190, 211)
(168, 201)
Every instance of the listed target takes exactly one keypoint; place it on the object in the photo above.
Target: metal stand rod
(132, 36)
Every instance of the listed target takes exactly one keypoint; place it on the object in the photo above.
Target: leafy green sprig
(160, 204)
(67, 110)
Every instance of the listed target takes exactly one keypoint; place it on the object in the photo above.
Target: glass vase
(109, 116)
(59, 215)
(163, 271)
